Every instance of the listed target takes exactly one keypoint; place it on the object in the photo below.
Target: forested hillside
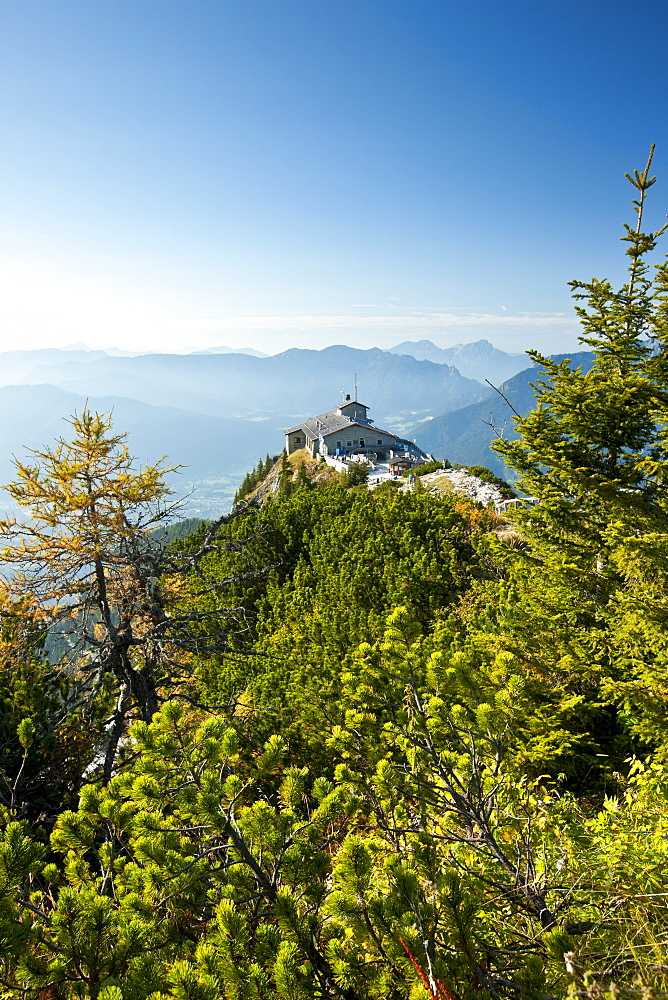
(367, 745)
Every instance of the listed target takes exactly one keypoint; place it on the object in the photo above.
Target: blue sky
(276, 173)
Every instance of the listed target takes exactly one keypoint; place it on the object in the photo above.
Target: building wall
(352, 438)
(349, 439)
(297, 440)
(355, 411)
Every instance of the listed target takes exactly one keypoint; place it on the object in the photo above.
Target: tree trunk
(116, 730)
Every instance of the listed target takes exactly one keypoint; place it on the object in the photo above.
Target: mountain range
(479, 360)
(33, 416)
(284, 387)
(231, 350)
(217, 413)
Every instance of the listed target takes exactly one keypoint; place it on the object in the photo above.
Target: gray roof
(301, 427)
(325, 423)
(331, 423)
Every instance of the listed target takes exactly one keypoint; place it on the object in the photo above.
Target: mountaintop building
(348, 431)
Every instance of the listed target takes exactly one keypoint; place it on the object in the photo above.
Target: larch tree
(88, 562)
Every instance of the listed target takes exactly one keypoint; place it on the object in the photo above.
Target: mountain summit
(479, 360)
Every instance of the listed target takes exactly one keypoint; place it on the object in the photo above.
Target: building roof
(331, 423)
(324, 423)
(350, 402)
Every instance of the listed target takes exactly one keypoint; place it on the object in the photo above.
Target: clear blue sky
(305, 172)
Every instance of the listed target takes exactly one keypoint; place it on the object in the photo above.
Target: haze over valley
(216, 414)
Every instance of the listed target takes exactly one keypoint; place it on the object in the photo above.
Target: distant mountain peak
(479, 360)
(231, 350)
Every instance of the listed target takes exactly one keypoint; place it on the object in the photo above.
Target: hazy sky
(280, 173)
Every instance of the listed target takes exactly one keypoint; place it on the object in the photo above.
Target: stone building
(347, 431)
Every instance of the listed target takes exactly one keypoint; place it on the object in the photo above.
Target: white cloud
(381, 322)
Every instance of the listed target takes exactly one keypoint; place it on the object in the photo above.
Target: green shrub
(387, 488)
(423, 470)
(356, 474)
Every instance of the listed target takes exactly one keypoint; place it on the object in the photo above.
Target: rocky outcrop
(461, 481)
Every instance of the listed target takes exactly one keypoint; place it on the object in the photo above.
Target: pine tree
(303, 478)
(285, 480)
(593, 589)
(49, 725)
(592, 451)
(357, 474)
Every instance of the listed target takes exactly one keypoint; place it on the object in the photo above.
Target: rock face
(461, 481)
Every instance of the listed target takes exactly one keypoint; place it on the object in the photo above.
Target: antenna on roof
(355, 396)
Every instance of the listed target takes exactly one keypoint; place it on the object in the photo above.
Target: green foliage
(594, 453)
(424, 469)
(212, 868)
(303, 478)
(440, 773)
(357, 474)
(177, 532)
(285, 480)
(342, 559)
(49, 725)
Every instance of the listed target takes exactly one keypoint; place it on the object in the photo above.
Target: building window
(349, 443)
(380, 441)
(338, 444)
